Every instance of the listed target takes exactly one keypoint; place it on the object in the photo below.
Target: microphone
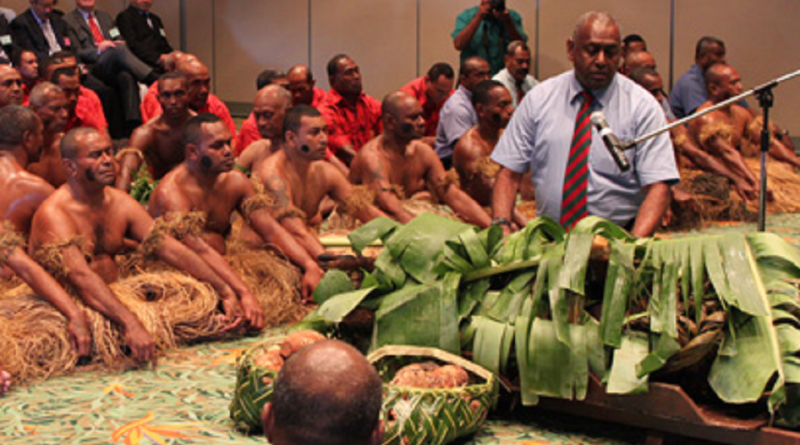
(613, 144)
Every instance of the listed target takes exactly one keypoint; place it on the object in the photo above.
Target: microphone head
(598, 119)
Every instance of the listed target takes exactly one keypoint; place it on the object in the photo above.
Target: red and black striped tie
(576, 177)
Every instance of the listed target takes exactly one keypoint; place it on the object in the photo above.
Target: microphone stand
(765, 100)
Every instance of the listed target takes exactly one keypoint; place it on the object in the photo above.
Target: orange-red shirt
(151, 108)
(350, 125)
(26, 93)
(430, 110)
(88, 112)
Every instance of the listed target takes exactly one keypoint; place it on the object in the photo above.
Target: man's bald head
(72, 142)
(638, 59)
(325, 394)
(402, 116)
(269, 109)
(301, 84)
(198, 83)
(722, 82)
(176, 58)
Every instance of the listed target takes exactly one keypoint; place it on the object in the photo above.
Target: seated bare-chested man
(21, 193)
(87, 221)
(159, 141)
(723, 131)
(494, 106)
(49, 102)
(206, 182)
(298, 178)
(398, 160)
(688, 153)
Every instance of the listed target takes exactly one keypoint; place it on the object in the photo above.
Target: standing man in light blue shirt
(458, 115)
(541, 132)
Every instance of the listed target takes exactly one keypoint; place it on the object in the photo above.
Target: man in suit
(98, 43)
(6, 41)
(39, 30)
(144, 33)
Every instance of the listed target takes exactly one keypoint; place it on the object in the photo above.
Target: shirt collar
(465, 91)
(337, 98)
(38, 19)
(601, 97)
(86, 14)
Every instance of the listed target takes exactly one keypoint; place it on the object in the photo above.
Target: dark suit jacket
(81, 34)
(28, 34)
(147, 43)
(5, 30)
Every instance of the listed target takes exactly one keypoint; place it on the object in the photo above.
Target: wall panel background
(395, 40)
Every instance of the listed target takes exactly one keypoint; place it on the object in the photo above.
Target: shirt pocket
(602, 163)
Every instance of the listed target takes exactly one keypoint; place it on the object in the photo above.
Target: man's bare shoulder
(142, 136)
(741, 113)
(420, 150)
(23, 182)
(468, 144)
(255, 154)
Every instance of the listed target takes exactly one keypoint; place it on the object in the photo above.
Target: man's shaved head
(269, 108)
(402, 116)
(71, 142)
(716, 73)
(638, 59)
(393, 102)
(325, 394)
(41, 93)
(588, 19)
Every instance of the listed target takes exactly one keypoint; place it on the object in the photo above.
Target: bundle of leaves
(544, 306)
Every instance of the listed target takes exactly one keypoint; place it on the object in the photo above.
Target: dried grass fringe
(487, 167)
(9, 241)
(715, 130)
(51, 256)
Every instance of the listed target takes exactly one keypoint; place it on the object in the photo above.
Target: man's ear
(27, 138)
(192, 151)
(70, 167)
(570, 49)
(377, 436)
(268, 421)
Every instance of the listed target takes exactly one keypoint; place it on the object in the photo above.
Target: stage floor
(185, 401)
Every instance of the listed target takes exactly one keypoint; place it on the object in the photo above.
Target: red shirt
(26, 93)
(151, 108)
(88, 112)
(348, 125)
(430, 110)
(319, 96)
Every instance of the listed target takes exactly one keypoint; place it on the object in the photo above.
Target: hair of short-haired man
(16, 56)
(69, 143)
(169, 76)
(632, 38)
(333, 64)
(15, 121)
(515, 45)
(711, 77)
(591, 16)
(56, 58)
(40, 94)
(309, 74)
(267, 77)
(704, 45)
(193, 131)
(295, 406)
(465, 69)
(67, 71)
(293, 119)
(440, 69)
(482, 92)
(639, 73)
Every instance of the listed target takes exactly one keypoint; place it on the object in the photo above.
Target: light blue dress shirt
(457, 116)
(540, 133)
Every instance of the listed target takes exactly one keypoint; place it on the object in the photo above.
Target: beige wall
(394, 40)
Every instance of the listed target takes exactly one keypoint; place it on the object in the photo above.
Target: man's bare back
(21, 193)
(49, 167)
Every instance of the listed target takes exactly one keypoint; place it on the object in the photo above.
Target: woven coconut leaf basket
(417, 416)
(253, 387)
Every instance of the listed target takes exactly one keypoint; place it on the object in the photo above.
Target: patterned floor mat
(185, 401)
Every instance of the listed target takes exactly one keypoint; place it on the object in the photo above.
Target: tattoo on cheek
(205, 161)
(89, 174)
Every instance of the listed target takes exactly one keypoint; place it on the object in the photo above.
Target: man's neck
(296, 161)
(489, 133)
(15, 154)
(176, 122)
(349, 98)
(200, 175)
(93, 195)
(275, 144)
(395, 144)
(87, 9)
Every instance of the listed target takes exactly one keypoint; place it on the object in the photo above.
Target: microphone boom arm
(757, 90)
